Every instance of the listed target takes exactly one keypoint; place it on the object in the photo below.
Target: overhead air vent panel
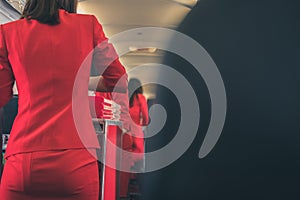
(18, 5)
(7, 12)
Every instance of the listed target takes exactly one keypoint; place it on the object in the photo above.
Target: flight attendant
(134, 142)
(44, 51)
(138, 109)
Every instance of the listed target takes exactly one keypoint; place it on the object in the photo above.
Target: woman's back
(51, 152)
(45, 60)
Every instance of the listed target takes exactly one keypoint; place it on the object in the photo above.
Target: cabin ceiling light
(132, 49)
(147, 49)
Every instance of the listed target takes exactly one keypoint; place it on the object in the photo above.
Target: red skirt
(50, 175)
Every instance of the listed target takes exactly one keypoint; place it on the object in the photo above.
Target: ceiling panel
(7, 14)
(120, 15)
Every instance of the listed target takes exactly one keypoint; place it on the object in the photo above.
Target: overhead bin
(18, 5)
(8, 12)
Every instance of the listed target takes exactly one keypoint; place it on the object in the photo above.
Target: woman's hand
(96, 83)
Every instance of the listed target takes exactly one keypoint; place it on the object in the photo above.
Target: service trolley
(109, 134)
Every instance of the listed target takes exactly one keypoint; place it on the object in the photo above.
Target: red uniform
(44, 61)
(139, 115)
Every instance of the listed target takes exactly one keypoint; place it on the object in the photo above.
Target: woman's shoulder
(85, 18)
(141, 96)
(13, 23)
(76, 15)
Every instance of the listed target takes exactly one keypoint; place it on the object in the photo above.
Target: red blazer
(140, 117)
(139, 110)
(45, 60)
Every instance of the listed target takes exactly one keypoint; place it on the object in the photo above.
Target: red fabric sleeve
(144, 110)
(6, 74)
(106, 61)
(122, 100)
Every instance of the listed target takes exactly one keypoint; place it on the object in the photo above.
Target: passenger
(43, 51)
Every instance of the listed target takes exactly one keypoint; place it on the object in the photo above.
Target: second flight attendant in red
(138, 110)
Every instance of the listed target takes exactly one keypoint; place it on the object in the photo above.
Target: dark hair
(46, 11)
(134, 88)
